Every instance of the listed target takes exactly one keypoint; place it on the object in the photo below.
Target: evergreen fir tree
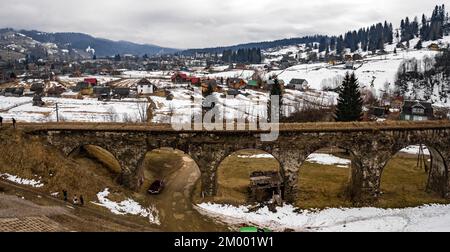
(275, 91)
(419, 45)
(349, 107)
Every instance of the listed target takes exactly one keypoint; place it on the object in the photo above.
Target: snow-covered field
(431, 218)
(21, 181)
(128, 206)
(86, 110)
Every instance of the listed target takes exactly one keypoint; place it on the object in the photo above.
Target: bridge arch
(433, 165)
(168, 164)
(99, 153)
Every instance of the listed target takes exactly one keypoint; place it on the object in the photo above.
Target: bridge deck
(290, 127)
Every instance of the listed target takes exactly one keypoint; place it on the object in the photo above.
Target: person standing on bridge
(14, 123)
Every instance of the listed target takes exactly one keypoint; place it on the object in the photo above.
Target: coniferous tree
(275, 91)
(349, 107)
(419, 45)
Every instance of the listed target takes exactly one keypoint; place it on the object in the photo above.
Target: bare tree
(142, 107)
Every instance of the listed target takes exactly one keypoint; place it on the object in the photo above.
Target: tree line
(249, 56)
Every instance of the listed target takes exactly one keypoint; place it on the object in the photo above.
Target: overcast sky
(205, 23)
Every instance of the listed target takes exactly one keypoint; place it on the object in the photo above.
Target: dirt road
(175, 203)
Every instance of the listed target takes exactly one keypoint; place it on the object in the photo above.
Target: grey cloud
(204, 23)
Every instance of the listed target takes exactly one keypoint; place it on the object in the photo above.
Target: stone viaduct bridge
(371, 145)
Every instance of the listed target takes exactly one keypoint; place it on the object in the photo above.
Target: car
(156, 187)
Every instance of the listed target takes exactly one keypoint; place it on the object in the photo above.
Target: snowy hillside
(374, 71)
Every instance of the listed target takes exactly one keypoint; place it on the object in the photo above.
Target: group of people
(75, 200)
(13, 121)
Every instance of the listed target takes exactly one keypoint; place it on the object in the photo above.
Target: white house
(145, 87)
(297, 84)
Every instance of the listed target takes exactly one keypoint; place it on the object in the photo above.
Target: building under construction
(266, 186)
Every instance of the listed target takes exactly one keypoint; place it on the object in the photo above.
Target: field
(323, 186)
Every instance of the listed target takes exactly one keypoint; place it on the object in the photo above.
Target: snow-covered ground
(415, 150)
(328, 159)
(128, 206)
(373, 72)
(85, 110)
(431, 218)
(21, 181)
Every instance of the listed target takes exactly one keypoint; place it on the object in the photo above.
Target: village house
(145, 87)
(233, 92)
(122, 92)
(195, 80)
(14, 91)
(55, 91)
(253, 84)
(210, 83)
(375, 113)
(297, 84)
(83, 88)
(416, 111)
(434, 47)
(102, 93)
(92, 81)
(236, 83)
(180, 78)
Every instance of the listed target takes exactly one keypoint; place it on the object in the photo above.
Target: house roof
(182, 75)
(144, 81)
(252, 83)
(298, 81)
(409, 105)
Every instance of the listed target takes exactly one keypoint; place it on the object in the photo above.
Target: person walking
(1, 121)
(65, 195)
(81, 200)
(14, 123)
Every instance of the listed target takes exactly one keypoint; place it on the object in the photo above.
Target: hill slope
(84, 42)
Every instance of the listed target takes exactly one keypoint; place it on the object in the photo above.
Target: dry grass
(28, 158)
(234, 173)
(323, 186)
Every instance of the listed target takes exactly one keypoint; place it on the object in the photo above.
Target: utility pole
(57, 113)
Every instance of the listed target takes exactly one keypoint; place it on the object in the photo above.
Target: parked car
(156, 187)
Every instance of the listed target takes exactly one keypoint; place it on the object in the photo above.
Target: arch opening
(406, 178)
(248, 176)
(98, 158)
(177, 170)
(324, 178)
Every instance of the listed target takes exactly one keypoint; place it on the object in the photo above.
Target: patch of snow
(256, 156)
(328, 159)
(434, 218)
(21, 181)
(415, 150)
(128, 206)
